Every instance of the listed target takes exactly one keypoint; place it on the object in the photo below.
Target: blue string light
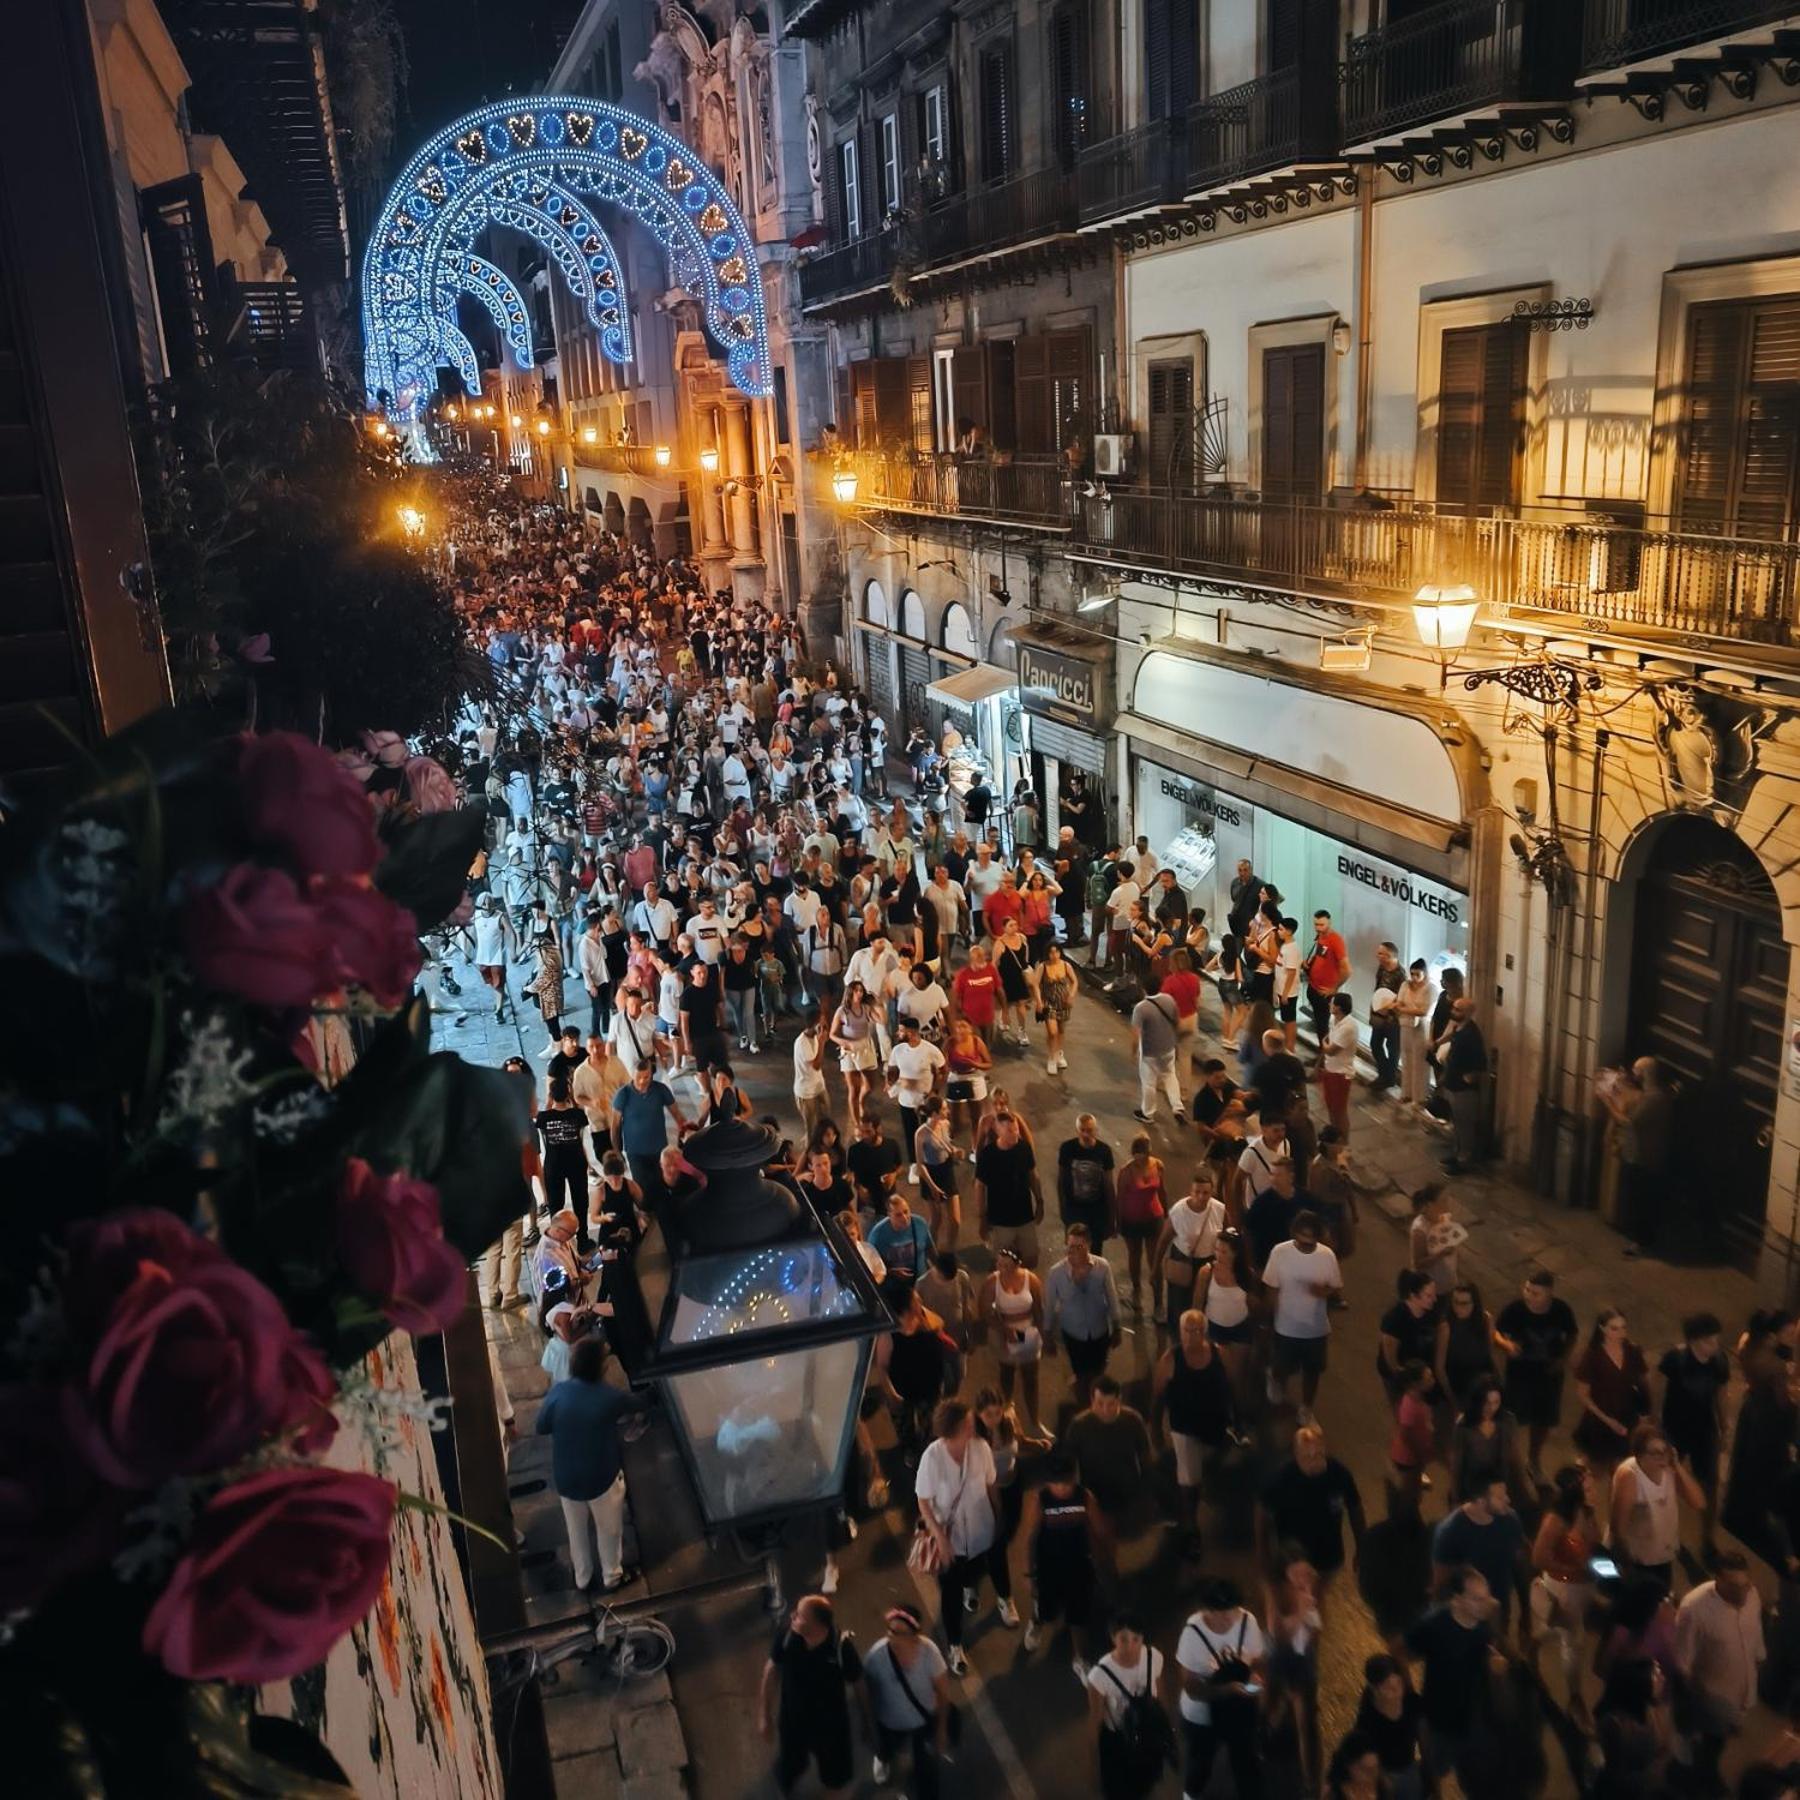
(546, 160)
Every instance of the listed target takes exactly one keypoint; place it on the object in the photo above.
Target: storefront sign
(1399, 886)
(1067, 687)
(1201, 800)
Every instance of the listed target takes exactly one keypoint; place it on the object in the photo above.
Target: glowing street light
(589, 435)
(517, 421)
(381, 428)
(1443, 618)
(709, 461)
(449, 412)
(843, 487)
(664, 456)
(543, 427)
(412, 521)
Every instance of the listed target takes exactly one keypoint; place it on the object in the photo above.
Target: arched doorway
(875, 607)
(959, 632)
(1708, 997)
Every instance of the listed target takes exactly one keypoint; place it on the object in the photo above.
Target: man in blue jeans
(581, 1418)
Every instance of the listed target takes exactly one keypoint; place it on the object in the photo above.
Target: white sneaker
(1033, 1632)
(1051, 1065)
(959, 1664)
(1062, 1062)
(1009, 1615)
(879, 1771)
(912, 1173)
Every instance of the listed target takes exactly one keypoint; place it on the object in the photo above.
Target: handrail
(1623, 31)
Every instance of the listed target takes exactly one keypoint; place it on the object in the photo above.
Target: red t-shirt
(1002, 904)
(1325, 963)
(1183, 987)
(975, 990)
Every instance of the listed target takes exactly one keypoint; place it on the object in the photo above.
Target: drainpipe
(1581, 1171)
(1546, 1116)
(1365, 317)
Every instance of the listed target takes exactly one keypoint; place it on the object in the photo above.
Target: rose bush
(373, 942)
(391, 1240)
(185, 1361)
(255, 935)
(297, 800)
(280, 1566)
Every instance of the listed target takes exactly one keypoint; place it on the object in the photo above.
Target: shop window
(1739, 470)
(1481, 415)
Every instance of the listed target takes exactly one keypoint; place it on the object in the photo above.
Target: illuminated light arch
(494, 289)
(584, 254)
(515, 157)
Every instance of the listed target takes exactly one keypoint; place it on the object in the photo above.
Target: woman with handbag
(1056, 999)
(1018, 993)
(907, 1691)
(956, 1487)
(1189, 1235)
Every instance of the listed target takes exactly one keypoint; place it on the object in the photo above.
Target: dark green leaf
(426, 865)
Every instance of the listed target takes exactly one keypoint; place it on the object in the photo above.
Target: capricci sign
(1397, 887)
(1061, 679)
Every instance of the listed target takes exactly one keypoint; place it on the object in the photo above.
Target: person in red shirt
(1182, 986)
(1005, 902)
(976, 990)
(1327, 968)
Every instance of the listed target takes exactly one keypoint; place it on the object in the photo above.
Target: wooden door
(1709, 1000)
(1293, 408)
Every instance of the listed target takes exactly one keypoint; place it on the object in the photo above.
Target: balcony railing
(1140, 169)
(1287, 117)
(1607, 576)
(1031, 490)
(978, 222)
(622, 459)
(1458, 57)
(1623, 31)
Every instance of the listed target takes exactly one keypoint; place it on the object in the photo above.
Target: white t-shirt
(1257, 1160)
(1120, 901)
(916, 1067)
(1107, 1677)
(980, 880)
(926, 1004)
(802, 906)
(959, 1494)
(709, 937)
(1196, 1231)
(809, 1083)
(1341, 1038)
(1200, 1653)
(900, 1702)
(1299, 1314)
(1287, 971)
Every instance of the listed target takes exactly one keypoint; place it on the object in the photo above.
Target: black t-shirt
(830, 1200)
(1309, 1510)
(562, 1128)
(1083, 1169)
(1007, 1176)
(1543, 1338)
(1269, 1220)
(1278, 1079)
(700, 1007)
(563, 1065)
(1415, 1334)
(1455, 1658)
(1690, 1403)
(1208, 1106)
(869, 1163)
(739, 977)
(1396, 1741)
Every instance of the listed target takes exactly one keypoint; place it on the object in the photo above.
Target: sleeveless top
(1019, 1337)
(1199, 1399)
(1139, 1196)
(1061, 1549)
(1225, 1305)
(1653, 1526)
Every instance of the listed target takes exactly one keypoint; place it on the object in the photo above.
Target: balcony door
(1171, 58)
(999, 128)
(1481, 416)
(1171, 384)
(1740, 427)
(1071, 125)
(1293, 422)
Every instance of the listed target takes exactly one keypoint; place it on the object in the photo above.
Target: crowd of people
(697, 867)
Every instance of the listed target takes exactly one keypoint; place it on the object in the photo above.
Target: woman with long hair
(1012, 962)
(854, 1030)
(1223, 1292)
(1056, 999)
(1613, 1381)
(1227, 969)
(967, 1061)
(1465, 1344)
(1141, 1201)
(1012, 1307)
(1259, 1017)
(1562, 1588)
(1485, 1442)
(1037, 916)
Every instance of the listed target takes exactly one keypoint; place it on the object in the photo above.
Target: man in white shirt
(633, 1034)
(1287, 979)
(1256, 1162)
(1719, 1646)
(735, 778)
(592, 1087)
(809, 1076)
(591, 961)
(872, 964)
(958, 1494)
(923, 999)
(707, 930)
(983, 878)
(1143, 865)
(801, 906)
(1118, 920)
(913, 1070)
(1304, 1275)
(654, 916)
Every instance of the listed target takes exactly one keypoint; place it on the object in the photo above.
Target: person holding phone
(1222, 1658)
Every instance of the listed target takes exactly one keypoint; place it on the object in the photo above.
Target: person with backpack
(1133, 1738)
(906, 1689)
(1222, 1656)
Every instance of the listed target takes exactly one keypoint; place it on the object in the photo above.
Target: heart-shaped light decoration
(523, 127)
(581, 127)
(678, 176)
(473, 145)
(607, 278)
(632, 143)
(743, 325)
(732, 270)
(567, 217)
(431, 183)
(714, 219)
(590, 246)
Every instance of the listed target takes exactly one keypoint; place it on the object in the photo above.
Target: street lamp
(1443, 617)
(709, 461)
(843, 487)
(664, 456)
(589, 435)
(517, 421)
(381, 428)
(766, 1320)
(449, 412)
(543, 427)
(412, 521)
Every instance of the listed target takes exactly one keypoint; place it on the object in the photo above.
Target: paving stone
(659, 1784)
(577, 1722)
(650, 1740)
(595, 1776)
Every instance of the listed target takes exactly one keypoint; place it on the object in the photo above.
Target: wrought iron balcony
(1625, 31)
(979, 222)
(1269, 123)
(1029, 490)
(1606, 577)
(1459, 57)
(1133, 172)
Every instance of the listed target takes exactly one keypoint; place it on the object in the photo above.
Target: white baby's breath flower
(208, 1084)
(282, 1121)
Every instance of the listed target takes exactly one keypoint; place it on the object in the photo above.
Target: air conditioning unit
(1112, 453)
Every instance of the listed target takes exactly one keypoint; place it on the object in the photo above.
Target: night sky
(463, 53)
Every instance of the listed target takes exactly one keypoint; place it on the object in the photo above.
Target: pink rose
(255, 649)
(429, 785)
(280, 1566)
(189, 1360)
(311, 1388)
(387, 747)
(298, 801)
(391, 1240)
(56, 1517)
(254, 934)
(373, 942)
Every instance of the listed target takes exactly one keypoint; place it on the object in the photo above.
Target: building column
(746, 564)
(715, 549)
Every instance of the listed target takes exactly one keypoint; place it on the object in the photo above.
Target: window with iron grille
(181, 264)
(1069, 81)
(997, 125)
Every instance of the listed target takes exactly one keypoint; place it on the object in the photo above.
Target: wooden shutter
(918, 404)
(1003, 399)
(867, 432)
(1069, 81)
(1031, 392)
(1171, 58)
(181, 259)
(1172, 423)
(893, 401)
(996, 112)
(968, 383)
(1156, 58)
(1068, 369)
(1283, 35)
(1481, 415)
(1294, 422)
(1739, 454)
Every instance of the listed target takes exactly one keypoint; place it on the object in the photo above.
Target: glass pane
(773, 1431)
(769, 1288)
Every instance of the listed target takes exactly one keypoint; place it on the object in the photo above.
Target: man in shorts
(1009, 1201)
(1304, 1275)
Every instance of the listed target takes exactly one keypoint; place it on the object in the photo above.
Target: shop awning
(980, 681)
